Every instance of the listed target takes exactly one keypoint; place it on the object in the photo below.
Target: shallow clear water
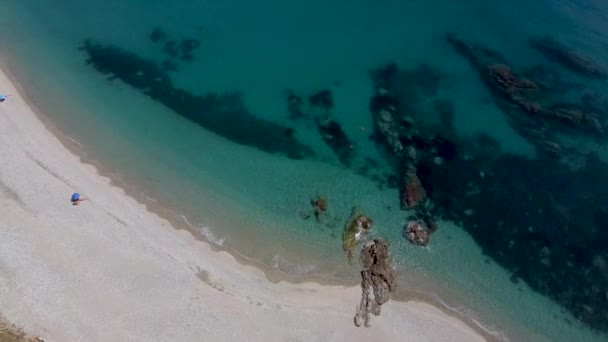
(251, 200)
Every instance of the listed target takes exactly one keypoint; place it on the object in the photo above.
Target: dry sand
(109, 270)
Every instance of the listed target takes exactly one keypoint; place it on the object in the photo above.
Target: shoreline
(274, 276)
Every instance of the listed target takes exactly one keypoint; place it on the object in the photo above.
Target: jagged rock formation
(377, 280)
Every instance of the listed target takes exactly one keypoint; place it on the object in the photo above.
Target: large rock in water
(377, 280)
(356, 228)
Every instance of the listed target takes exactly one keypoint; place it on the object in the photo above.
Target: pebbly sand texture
(109, 270)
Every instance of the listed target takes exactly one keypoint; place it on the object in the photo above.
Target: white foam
(72, 139)
(288, 267)
(206, 231)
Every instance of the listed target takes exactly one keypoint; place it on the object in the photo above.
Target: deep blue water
(235, 114)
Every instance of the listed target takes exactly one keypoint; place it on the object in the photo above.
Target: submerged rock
(529, 107)
(170, 66)
(356, 228)
(548, 234)
(413, 192)
(157, 35)
(323, 100)
(329, 129)
(294, 106)
(384, 108)
(171, 49)
(417, 232)
(409, 86)
(319, 205)
(333, 135)
(320, 212)
(445, 109)
(223, 114)
(559, 53)
(377, 280)
(189, 45)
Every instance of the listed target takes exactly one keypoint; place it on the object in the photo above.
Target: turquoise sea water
(251, 200)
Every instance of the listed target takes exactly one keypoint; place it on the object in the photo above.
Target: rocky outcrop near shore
(377, 280)
(357, 226)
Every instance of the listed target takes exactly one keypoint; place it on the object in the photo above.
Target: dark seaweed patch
(223, 114)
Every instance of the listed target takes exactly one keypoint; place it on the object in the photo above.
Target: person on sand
(76, 198)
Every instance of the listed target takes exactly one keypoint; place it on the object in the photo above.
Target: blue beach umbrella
(75, 197)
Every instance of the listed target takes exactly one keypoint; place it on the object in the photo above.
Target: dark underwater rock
(223, 114)
(323, 100)
(377, 280)
(294, 106)
(550, 81)
(333, 135)
(384, 108)
(319, 205)
(186, 57)
(445, 109)
(539, 219)
(330, 130)
(171, 49)
(479, 56)
(559, 53)
(189, 45)
(157, 35)
(534, 114)
(444, 148)
(412, 190)
(399, 135)
(170, 66)
(573, 115)
(408, 86)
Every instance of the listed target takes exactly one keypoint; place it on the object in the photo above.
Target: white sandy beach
(109, 270)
